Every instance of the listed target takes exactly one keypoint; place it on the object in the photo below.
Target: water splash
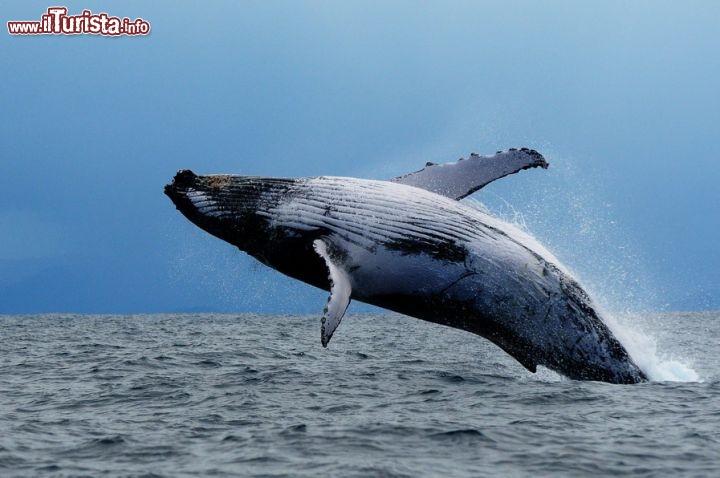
(584, 233)
(643, 347)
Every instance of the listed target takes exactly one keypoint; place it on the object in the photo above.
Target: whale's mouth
(200, 199)
(205, 195)
(184, 180)
(181, 192)
(220, 204)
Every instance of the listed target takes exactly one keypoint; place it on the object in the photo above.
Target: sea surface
(251, 395)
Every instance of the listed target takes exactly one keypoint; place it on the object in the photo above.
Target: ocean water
(251, 395)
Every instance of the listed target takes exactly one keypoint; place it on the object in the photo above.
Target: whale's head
(227, 206)
(239, 210)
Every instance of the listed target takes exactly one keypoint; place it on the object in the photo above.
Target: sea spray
(604, 254)
(630, 329)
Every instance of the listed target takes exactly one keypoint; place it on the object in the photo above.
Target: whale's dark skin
(415, 252)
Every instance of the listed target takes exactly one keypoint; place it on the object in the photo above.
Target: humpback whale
(411, 246)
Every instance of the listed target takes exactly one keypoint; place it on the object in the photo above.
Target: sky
(622, 98)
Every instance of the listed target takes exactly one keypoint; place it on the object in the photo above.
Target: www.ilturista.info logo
(57, 22)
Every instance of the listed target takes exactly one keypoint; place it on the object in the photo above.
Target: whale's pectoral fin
(465, 176)
(340, 291)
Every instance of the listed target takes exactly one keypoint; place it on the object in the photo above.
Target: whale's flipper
(339, 299)
(465, 176)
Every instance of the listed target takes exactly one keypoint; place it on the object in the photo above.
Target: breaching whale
(411, 246)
